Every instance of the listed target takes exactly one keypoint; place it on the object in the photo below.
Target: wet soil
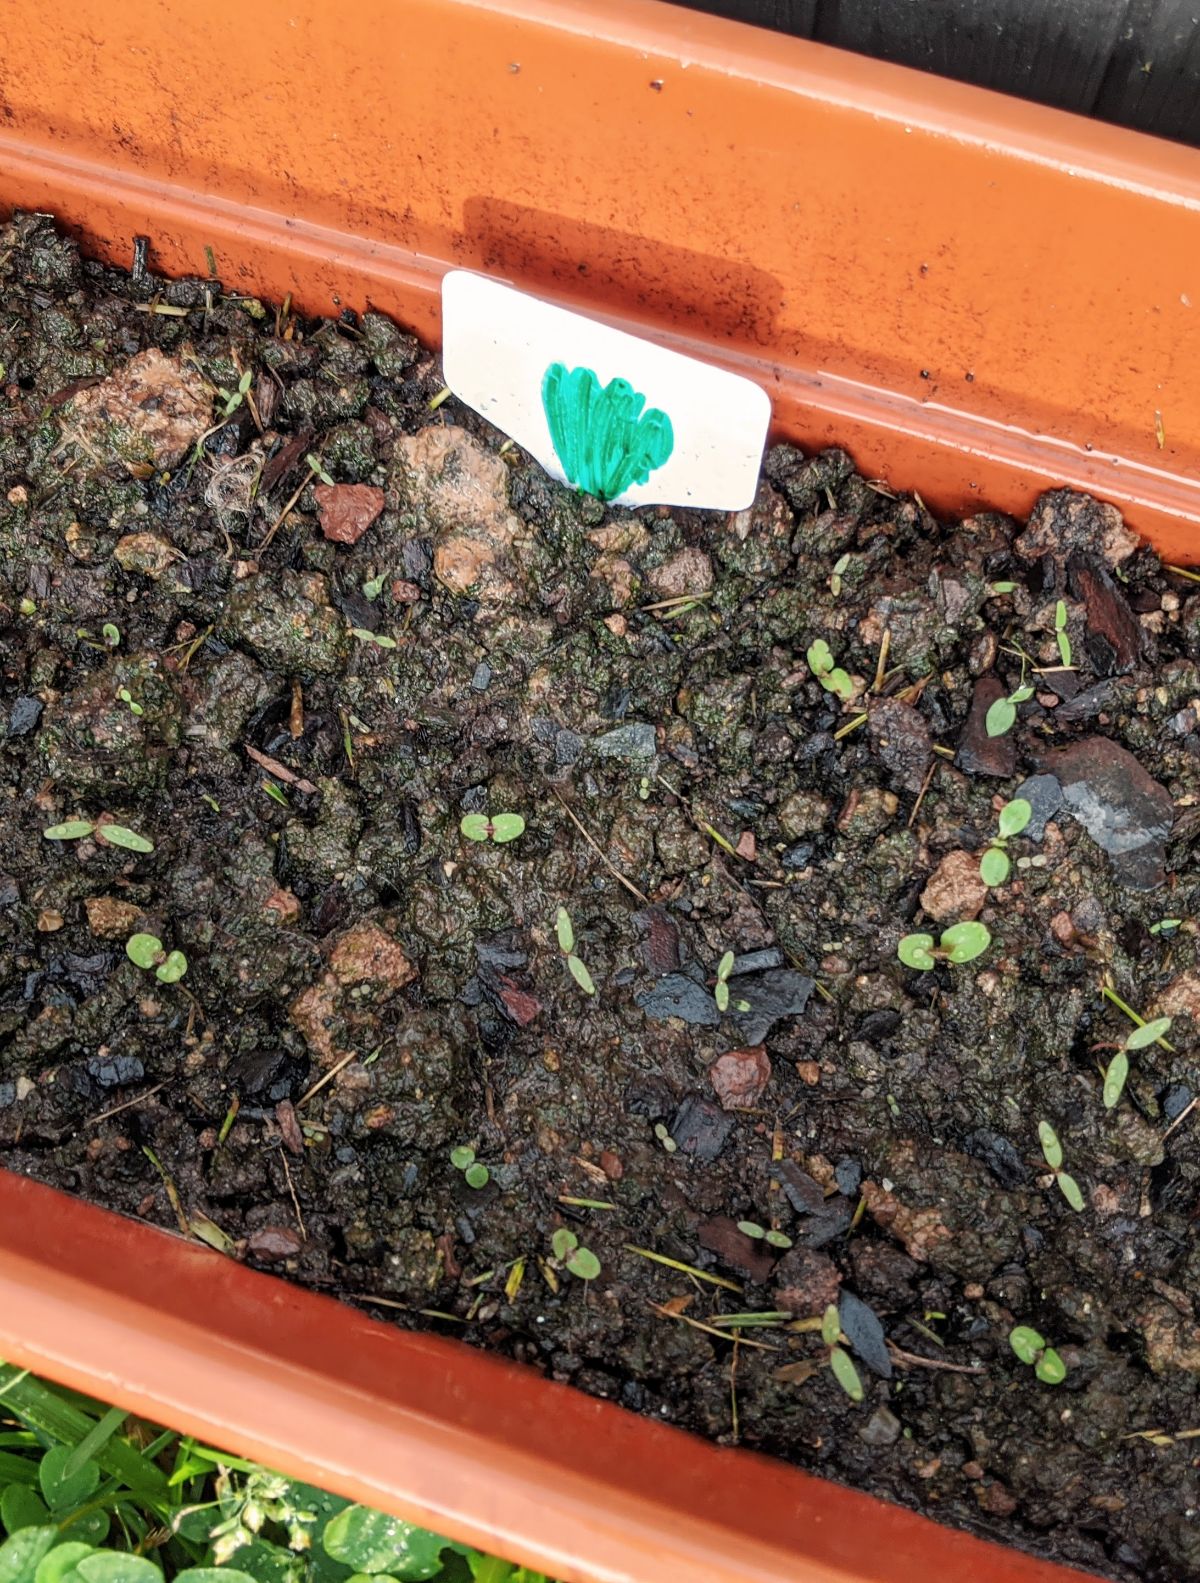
(297, 692)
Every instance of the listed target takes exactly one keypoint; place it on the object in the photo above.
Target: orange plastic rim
(476, 1448)
(979, 297)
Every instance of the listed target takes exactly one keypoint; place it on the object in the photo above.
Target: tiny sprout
(315, 466)
(463, 1159)
(664, 1137)
(994, 866)
(111, 834)
(842, 1368)
(961, 942)
(564, 931)
(580, 1261)
(499, 827)
(1031, 1348)
(379, 639)
(832, 678)
(995, 589)
(146, 951)
(234, 398)
(111, 634)
(1052, 1150)
(1002, 715)
(69, 830)
(1060, 632)
(776, 1239)
(721, 992)
(126, 697)
(1165, 925)
(373, 587)
(27, 607)
(835, 581)
(1118, 1068)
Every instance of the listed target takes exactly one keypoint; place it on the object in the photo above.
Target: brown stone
(49, 920)
(274, 1242)
(110, 919)
(739, 1077)
(152, 410)
(955, 891)
(347, 510)
(1181, 997)
(366, 954)
(460, 491)
(978, 753)
(688, 571)
(806, 1282)
(749, 1256)
(149, 554)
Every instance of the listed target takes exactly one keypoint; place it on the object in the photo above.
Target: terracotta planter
(979, 298)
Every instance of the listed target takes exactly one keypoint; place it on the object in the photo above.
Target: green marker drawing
(603, 439)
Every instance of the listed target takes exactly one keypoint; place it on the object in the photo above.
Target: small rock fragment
(110, 919)
(1121, 807)
(150, 411)
(635, 743)
(24, 715)
(955, 889)
(881, 1429)
(676, 995)
(771, 996)
(865, 1334)
(1112, 627)
(347, 510)
(978, 753)
(273, 1242)
(366, 954)
(49, 921)
(148, 554)
(739, 1077)
(734, 1248)
(806, 1282)
(901, 738)
(700, 1128)
(1044, 796)
(689, 571)
(1063, 522)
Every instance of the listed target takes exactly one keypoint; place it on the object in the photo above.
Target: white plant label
(612, 414)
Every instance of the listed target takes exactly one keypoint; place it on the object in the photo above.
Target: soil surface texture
(278, 611)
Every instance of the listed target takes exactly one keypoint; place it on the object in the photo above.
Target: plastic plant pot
(978, 298)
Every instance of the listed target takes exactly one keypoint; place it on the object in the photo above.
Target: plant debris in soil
(274, 605)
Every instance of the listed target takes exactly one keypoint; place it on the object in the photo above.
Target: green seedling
(474, 1173)
(776, 1239)
(1060, 632)
(27, 607)
(571, 1255)
(316, 468)
(1052, 1150)
(1117, 1073)
(721, 988)
(113, 834)
(373, 587)
(842, 1368)
(664, 1137)
(1032, 1348)
(1166, 926)
(234, 398)
(995, 589)
(1002, 715)
(835, 580)
(961, 942)
(831, 677)
(564, 930)
(379, 639)
(499, 827)
(994, 866)
(127, 697)
(147, 951)
(111, 633)
(604, 440)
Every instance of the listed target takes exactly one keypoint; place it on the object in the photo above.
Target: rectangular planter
(979, 298)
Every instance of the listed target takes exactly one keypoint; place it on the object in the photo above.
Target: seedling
(1118, 1068)
(721, 988)
(111, 634)
(1060, 632)
(1052, 1150)
(113, 834)
(126, 697)
(777, 1239)
(1002, 715)
(835, 580)
(843, 1369)
(379, 639)
(664, 1137)
(499, 827)
(1166, 925)
(579, 1260)
(1031, 1348)
(373, 586)
(994, 866)
(234, 398)
(317, 469)
(147, 951)
(961, 942)
(831, 677)
(995, 589)
(474, 1173)
(565, 931)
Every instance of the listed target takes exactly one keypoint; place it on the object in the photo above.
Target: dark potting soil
(296, 690)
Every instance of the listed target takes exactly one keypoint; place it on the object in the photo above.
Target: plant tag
(616, 416)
